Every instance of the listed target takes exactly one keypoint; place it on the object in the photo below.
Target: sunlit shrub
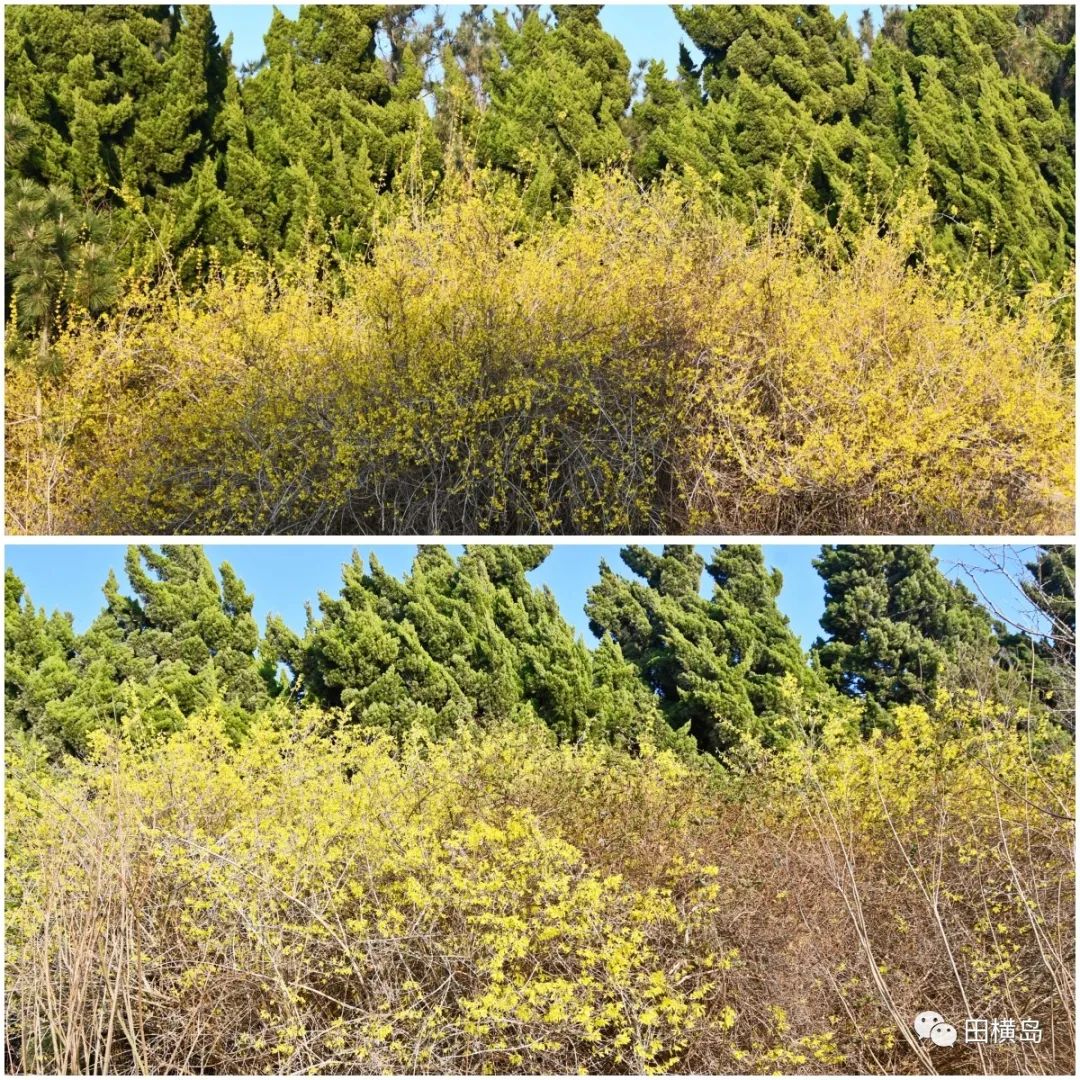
(645, 366)
(497, 903)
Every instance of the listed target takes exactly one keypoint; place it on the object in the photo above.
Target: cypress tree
(893, 621)
(715, 666)
(1000, 164)
(459, 641)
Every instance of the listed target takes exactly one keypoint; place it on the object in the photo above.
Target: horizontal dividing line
(558, 540)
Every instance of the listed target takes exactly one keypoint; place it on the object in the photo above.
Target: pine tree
(57, 257)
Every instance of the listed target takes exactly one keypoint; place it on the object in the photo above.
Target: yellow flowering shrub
(642, 366)
(497, 903)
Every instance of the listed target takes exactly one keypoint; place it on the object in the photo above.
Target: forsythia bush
(497, 903)
(645, 366)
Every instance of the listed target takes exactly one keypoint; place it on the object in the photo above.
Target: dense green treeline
(133, 145)
(471, 641)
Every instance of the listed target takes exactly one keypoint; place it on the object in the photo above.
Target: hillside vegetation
(398, 278)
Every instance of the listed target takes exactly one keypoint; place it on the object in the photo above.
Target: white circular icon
(925, 1023)
(943, 1034)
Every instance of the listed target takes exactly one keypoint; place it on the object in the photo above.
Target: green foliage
(1047, 660)
(1052, 589)
(184, 640)
(469, 643)
(893, 621)
(791, 115)
(56, 259)
(328, 128)
(138, 112)
(462, 642)
(555, 99)
(38, 650)
(716, 666)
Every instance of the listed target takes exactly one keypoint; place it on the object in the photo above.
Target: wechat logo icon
(931, 1025)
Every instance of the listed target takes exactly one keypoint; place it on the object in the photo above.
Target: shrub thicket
(643, 367)
(496, 903)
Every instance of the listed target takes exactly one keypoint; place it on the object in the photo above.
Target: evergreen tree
(1052, 589)
(332, 126)
(38, 650)
(893, 621)
(555, 98)
(175, 127)
(82, 76)
(1048, 662)
(715, 665)
(782, 89)
(133, 119)
(57, 257)
(952, 102)
(999, 161)
(460, 641)
(183, 641)
(119, 105)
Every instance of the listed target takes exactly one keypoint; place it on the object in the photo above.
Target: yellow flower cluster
(497, 903)
(643, 366)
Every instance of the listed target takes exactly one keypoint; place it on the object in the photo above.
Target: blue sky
(647, 31)
(282, 577)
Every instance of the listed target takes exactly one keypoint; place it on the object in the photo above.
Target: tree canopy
(136, 114)
(470, 642)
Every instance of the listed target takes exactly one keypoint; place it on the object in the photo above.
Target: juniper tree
(38, 652)
(184, 640)
(332, 125)
(555, 99)
(461, 641)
